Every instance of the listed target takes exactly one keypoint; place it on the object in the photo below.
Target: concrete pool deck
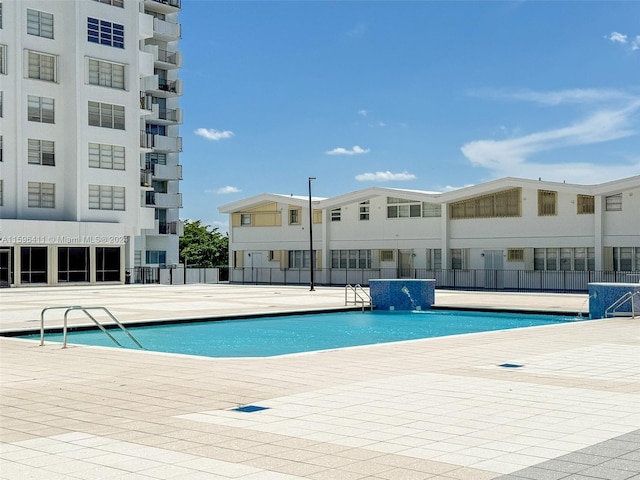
(437, 408)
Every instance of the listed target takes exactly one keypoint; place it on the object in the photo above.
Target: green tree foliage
(203, 246)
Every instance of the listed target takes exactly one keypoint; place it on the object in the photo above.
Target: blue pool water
(263, 337)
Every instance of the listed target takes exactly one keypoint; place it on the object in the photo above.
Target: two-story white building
(508, 233)
(89, 145)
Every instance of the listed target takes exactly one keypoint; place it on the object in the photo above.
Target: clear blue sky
(417, 95)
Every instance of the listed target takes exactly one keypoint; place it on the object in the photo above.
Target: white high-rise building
(89, 145)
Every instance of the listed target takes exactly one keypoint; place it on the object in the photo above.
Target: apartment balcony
(147, 218)
(163, 6)
(163, 200)
(146, 104)
(167, 172)
(146, 140)
(166, 31)
(167, 116)
(145, 26)
(168, 59)
(160, 143)
(146, 60)
(145, 177)
(171, 228)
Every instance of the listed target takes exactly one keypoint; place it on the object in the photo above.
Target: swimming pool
(279, 335)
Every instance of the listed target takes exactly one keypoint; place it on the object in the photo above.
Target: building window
(40, 109)
(586, 204)
(613, 203)
(106, 115)
(42, 66)
(156, 257)
(0, 14)
(107, 264)
(495, 205)
(245, 219)
(73, 264)
(3, 59)
(547, 203)
(364, 210)
(110, 157)
(115, 3)
(402, 208)
(39, 23)
(105, 33)
(456, 259)
(567, 259)
(351, 259)
(387, 256)
(41, 152)
(626, 259)
(336, 214)
(300, 259)
(1, 193)
(33, 264)
(294, 216)
(1, 148)
(431, 209)
(515, 255)
(106, 197)
(106, 74)
(41, 195)
(1, 104)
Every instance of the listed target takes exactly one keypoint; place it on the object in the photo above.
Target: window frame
(294, 216)
(43, 112)
(585, 204)
(547, 203)
(103, 32)
(41, 152)
(36, 26)
(41, 195)
(106, 115)
(103, 73)
(107, 197)
(613, 203)
(3, 59)
(101, 155)
(364, 210)
(36, 68)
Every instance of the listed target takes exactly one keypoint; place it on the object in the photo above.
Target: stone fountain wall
(401, 294)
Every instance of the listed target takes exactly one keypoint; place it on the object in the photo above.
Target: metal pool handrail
(93, 319)
(359, 296)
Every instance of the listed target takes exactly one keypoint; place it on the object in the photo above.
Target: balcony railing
(171, 228)
(167, 172)
(170, 114)
(162, 28)
(145, 177)
(167, 56)
(173, 3)
(167, 85)
(145, 101)
(146, 139)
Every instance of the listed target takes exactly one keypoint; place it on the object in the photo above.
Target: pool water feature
(286, 334)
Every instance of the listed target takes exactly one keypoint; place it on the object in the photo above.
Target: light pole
(311, 259)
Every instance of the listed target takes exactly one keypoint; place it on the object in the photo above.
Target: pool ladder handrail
(93, 319)
(359, 296)
(629, 296)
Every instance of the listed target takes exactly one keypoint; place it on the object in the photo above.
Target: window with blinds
(106, 74)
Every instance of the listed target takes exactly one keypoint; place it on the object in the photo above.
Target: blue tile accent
(250, 408)
(603, 295)
(401, 294)
(511, 365)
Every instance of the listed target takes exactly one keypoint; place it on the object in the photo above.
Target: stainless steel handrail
(93, 319)
(360, 298)
(621, 301)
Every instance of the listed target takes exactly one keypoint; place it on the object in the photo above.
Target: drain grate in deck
(250, 408)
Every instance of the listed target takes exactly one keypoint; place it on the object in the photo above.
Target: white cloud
(213, 134)
(510, 157)
(623, 39)
(385, 176)
(617, 37)
(357, 31)
(356, 150)
(558, 97)
(225, 190)
(363, 113)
